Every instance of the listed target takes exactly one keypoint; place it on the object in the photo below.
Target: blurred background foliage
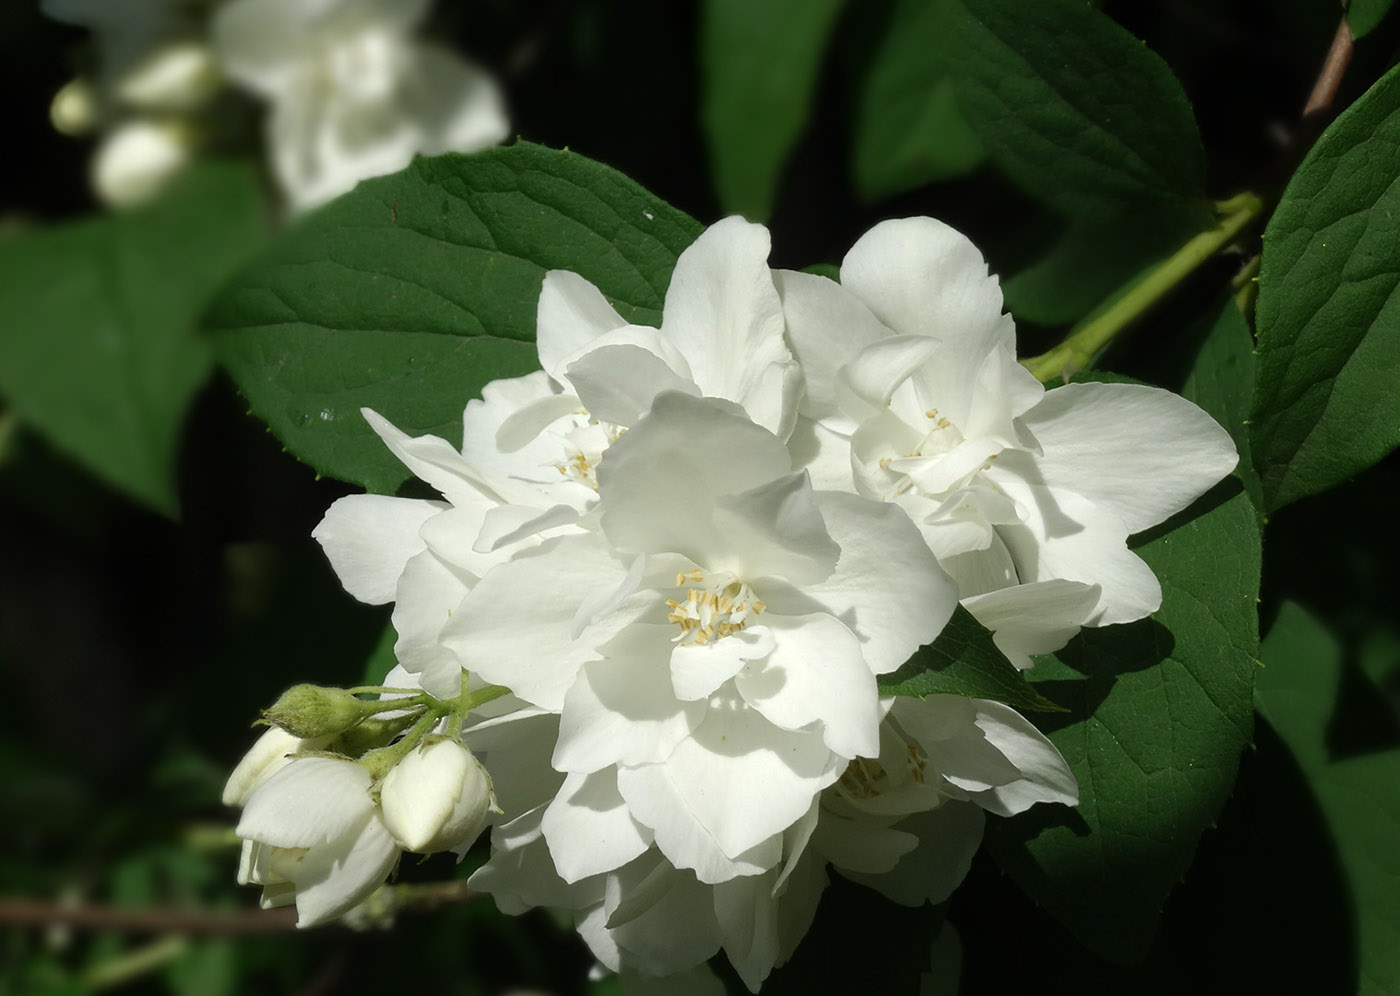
(146, 614)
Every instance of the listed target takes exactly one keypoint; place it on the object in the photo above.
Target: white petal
(827, 326)
(335, 877)
(861, 845)
(887, 587)
(921, 277)
(1035, 618)
(588, 827)
(272, 752)
(458, 107)
(723, 312)
(659, 482)
(516, 627)
(865, 385)
(521, 873)
(516, 750)
(369, 538)
(748, 916)
(678, 929)
(816, 677)
(1045, 775)
(948, 838)
(618, 383)
(1140, 452)
(572, 313)
(428, 593)
(308, 802)
(1064, 535)
(774, 530)
(432, 459)
(621, 710)
(824, 453)
(698, 981)
(507, 524)
(698, 670)
(510, 439)
(737, 781)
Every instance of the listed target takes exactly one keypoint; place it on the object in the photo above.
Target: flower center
(714, 607)
(583, 448)
(865, 778)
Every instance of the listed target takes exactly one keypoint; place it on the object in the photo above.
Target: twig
(28, 913)
(1329, 78)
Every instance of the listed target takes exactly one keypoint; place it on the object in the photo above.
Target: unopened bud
(175, 78)
(273, 751)
(74, 108)
(137, 160)
(315, 711)
(436, 798)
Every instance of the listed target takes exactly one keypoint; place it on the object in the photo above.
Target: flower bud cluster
(324, 829)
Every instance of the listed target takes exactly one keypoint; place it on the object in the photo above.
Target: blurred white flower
(914, 396)
(353, 94)
(272, 752)
(175, 77)
(74, 108)
(436, 798)
(137, 159)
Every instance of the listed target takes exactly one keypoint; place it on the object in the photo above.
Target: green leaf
(1073, 108)
(965, 661)
(1360, 796)
(1364, 16)
(1160, 710)
(1325, 404)
(1221, 381)
(415, 290)
(99, 351)
(381, 660)
(909, 130)
(760, 62)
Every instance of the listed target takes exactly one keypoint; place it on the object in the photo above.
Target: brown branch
(1329, 78)
(30, 913)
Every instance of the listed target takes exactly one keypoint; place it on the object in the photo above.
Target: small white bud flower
(74, 109)
(137, 160)
(436, 798)
(272, 752)
(178, 77)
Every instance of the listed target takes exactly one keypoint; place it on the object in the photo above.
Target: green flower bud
(314, 711)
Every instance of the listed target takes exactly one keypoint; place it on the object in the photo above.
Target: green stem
(131, 965)
(1078, 349)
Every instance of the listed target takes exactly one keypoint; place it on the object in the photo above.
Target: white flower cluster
(690, 551)
(352, 93)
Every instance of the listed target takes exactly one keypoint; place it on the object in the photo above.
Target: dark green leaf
(1072, 107)
(1325, 404)
(1222, 382)
(415, 290)
(1364, 16)
(964, 661)
(1160, 710)
(1360, 796)
(909, 130)
(99, 351)
(760, 62)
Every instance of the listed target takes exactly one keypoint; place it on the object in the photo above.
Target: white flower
(436, 798)
(1027, 497)
(137, 159)
(721, 336)
(353, 94)
(313, 833)
(176, 77)
(906, 823)
(710, 640)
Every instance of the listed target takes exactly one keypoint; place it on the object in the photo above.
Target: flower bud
(273, 751)
(178, 77)
(137, 160)
(315, 711)
(436, 798)
(74, 108)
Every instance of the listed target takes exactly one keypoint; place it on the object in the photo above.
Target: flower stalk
(1080, 347)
